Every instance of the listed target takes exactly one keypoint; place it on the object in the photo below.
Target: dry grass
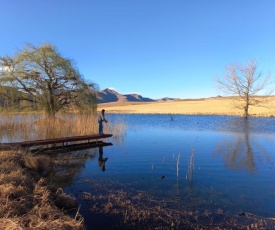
(65, 125)
(207, 106)
(26, 202)
(39, 164)
(32, 126)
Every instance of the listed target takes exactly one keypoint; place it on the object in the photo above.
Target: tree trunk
(246, 107)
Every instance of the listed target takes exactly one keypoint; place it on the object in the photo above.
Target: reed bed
(26, 202)
(37, 126)
(118, 128)
(65, 125)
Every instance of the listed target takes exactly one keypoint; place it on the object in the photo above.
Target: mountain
(109, 95)
(167, 99)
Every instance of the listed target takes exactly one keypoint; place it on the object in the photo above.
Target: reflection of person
(101, 118)
(101, 160)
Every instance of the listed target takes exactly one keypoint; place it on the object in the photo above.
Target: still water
(227, 162)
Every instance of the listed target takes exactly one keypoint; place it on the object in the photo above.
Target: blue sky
(156, 48)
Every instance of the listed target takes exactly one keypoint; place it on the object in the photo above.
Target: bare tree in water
(245, 82)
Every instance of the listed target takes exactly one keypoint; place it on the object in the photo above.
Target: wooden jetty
(62, 140)
(70, 147)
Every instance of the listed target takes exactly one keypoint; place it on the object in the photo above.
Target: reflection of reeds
(190, 171)
(12, 124)
(178, 161)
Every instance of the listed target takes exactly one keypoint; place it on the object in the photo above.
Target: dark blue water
(227, 162)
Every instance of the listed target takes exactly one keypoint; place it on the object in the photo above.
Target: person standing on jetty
(101, 118)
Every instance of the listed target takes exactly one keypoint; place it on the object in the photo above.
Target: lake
(215, 164)
(174, 171)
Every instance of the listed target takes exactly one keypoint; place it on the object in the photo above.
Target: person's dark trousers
(100, 127)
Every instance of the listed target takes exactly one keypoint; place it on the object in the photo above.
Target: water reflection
(240, 153)
(101, 160)
(68, 162)
(67, 166)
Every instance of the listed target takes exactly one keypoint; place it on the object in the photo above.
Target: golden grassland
(204, 106)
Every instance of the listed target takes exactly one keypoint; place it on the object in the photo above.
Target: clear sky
(156, 48)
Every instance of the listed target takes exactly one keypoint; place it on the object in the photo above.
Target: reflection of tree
(240, 154)
(67, 164)
(70, 161)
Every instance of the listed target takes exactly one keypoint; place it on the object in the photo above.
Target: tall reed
(66, 125)
(30, 127)
(190, 172)
(117, 128)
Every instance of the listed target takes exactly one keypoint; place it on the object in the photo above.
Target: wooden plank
(56, 140)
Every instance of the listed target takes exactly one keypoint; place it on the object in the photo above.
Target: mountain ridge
(109, 95)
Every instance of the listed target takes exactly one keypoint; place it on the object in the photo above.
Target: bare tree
(43, 77)
(250, 86)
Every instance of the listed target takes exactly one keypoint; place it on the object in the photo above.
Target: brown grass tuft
(26, 203)
(9, 224)
(64, 200)
(38, 163)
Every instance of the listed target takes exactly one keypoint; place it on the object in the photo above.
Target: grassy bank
(27, 202)
(206, 106)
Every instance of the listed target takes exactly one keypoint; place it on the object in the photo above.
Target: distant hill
(109, 95)
(168, 99)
